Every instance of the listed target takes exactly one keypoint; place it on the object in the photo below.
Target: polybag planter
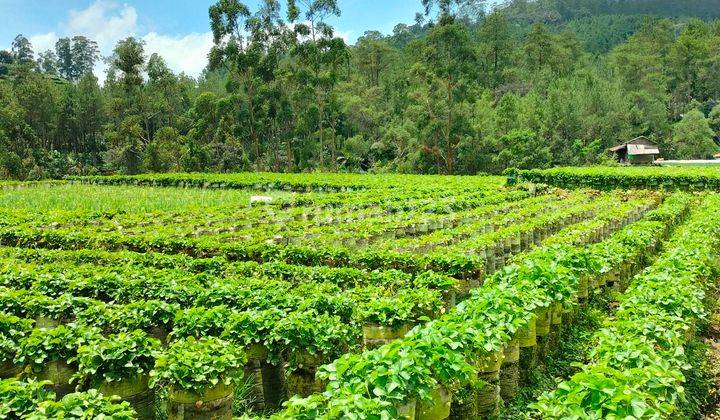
(436, 409)
(253, 371)
(302, 381)
(135, 391)
(375, 335)
(509, 380)
(59, 373)
(407, 411)
(8, 369)
(213, 403)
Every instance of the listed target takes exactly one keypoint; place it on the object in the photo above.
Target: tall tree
(693, 138)
(497, 43)
(22, 50)
(319, 57)
(76, 56)
(249, 47)
(449, 64)
(47, 63)
(372, 55)
(129, 58)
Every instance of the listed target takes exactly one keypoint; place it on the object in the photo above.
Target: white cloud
(44, 42)
(107, 22)
(345, 35)
(104, 22)
(187, 53)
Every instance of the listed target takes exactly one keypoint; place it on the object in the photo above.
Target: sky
(178, 30)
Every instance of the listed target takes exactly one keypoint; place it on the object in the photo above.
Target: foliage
(117, 357)
(605, 178)
(637, 368)
(83, 406)
(693, 137)
(12, 330)
(20, 398)
(56, 344)
(196, 365)
(440, 95)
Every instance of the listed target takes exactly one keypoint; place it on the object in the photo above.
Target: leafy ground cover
(373, 298)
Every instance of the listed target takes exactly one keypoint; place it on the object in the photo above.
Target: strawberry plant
(195, 365)
(83, 406)
(116, 357)
(21, 398)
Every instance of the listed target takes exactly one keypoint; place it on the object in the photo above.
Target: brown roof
(641, 149)
(637, 146)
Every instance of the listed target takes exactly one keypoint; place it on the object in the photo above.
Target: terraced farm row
(334, 297)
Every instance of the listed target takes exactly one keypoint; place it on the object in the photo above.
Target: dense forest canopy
(466, 88)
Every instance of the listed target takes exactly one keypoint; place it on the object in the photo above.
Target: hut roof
(637, 146)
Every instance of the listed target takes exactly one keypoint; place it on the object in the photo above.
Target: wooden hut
(638, 151)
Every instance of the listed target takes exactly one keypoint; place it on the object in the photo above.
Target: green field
(351, 296)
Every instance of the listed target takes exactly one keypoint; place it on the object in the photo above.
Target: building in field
(638, 151)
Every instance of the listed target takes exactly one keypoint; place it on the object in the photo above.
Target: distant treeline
(460, 90)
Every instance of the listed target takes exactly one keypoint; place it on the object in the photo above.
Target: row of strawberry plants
(80, 365)
(445, 355)
(456, 265)
(287, 182)
(637, 368)
(429, 200)
(478, 224)
(124, 315)
(260, 225)
(605, 178)
(31, 400)
(152, 305)
(221, 216)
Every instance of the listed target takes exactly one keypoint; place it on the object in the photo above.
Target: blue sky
(178, 30)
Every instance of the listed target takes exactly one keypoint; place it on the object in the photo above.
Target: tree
(372, 55)
(6, 59)
(319, 56)
(126, 145)
(449, 64)
(22, 50)
(47, 63)
(692, 137)
(90, 116)
(497, 51)
(249, 47)
(76, 56)
(687, 61)
(522, 149)
(129, 58)
(469, 9)
(714, 118)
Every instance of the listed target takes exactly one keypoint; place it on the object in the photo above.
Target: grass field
(353, 297)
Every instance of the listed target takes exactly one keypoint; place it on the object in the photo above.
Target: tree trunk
(251, 110)
(448, 142)
(321, 107)
(333, 145)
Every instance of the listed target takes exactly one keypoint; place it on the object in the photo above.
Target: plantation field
(350, 296)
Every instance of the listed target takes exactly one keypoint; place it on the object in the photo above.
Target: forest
(466, 88)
